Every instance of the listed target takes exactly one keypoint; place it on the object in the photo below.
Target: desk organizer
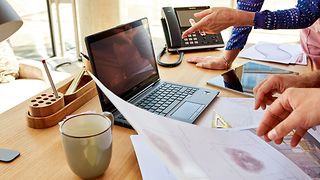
(43, 114)
(46, 104)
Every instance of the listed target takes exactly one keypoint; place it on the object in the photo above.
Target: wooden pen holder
(51, 114)
(46, 104)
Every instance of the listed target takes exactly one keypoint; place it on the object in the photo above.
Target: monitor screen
(123, 57)
(185, 15)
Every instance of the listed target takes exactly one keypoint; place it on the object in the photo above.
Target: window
(33, 40)
(38, 38)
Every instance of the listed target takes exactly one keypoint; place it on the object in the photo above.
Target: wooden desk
(42, 155)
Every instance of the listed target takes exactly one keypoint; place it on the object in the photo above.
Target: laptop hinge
(144, 90)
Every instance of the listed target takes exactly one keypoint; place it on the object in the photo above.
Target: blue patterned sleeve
(240, 35)
(304, 15)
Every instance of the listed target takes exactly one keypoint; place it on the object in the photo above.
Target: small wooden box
(86, 90)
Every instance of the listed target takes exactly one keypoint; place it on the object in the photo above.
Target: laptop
(123, 59)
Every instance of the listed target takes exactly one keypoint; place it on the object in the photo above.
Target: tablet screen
(244, 78)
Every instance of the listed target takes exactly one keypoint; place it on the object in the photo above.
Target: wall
(95, 16)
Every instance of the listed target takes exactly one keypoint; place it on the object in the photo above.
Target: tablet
(244, 78)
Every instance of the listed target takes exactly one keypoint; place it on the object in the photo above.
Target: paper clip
(219, 122)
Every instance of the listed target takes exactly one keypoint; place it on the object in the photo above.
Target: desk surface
(41, 150)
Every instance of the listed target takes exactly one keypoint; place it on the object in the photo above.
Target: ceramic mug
(87, 142)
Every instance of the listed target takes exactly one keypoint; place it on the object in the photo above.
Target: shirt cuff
(259, 20)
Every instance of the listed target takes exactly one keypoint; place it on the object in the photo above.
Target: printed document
(239, 113)
(272, 52)
(151, 166)
(194, 152)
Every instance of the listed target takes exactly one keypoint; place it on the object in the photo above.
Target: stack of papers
(272, 52)
(239, 113)
(193, 152)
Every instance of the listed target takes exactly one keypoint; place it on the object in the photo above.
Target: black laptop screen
(123, 57)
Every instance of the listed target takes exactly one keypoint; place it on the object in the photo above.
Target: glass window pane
(33, 39)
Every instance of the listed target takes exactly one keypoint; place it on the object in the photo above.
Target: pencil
(85, 56)
(73, 86)
(50, 79)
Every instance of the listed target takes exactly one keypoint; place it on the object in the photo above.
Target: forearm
(239, 34)
(230, 55)
(309, 80)
(243, 18)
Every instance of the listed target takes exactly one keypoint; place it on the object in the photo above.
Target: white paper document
(315, 132)
(151, 166)
(239, 113)
(272, 52)
(194, 152)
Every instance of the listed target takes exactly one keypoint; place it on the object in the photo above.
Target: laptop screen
(123, 58)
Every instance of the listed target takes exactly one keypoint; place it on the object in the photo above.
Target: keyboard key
(166, 97)
(169, 108)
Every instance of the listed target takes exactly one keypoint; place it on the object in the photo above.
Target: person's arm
(304, 15)
(216, 19)
(295, 110)
(264, 92)
(238, 37)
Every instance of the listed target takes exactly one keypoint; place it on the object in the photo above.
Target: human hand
(214, 20)
(264, 92)
(296, 109)
(209, 62)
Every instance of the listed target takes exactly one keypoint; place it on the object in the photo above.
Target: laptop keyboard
(164, 98)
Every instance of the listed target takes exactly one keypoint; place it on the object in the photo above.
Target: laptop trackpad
(187, 110)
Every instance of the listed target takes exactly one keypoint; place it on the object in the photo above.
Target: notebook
(123, 59)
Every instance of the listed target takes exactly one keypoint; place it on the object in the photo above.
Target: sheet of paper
(315, 132)
(194, 152)
(272, 52)
(152, 168)
(238, 112)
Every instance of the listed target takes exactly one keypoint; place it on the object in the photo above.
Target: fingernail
(272, 135)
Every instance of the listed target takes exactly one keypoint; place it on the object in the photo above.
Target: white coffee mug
(87, 142)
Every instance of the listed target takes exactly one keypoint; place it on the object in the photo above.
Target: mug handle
(108, 115)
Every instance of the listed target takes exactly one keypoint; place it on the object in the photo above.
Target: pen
(85, 56)
(50, 79)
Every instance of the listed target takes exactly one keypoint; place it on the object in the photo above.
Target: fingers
(208, 62)
(297, 136)
(275, 114)
(202, 14)
(260, 95)
(268, 99)
(195, 27)
(278, 141)
(205, 65)
(255, 89)
(264, 91)
(285, 127)
(290, 112)
(196, 59)
(201, 62)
